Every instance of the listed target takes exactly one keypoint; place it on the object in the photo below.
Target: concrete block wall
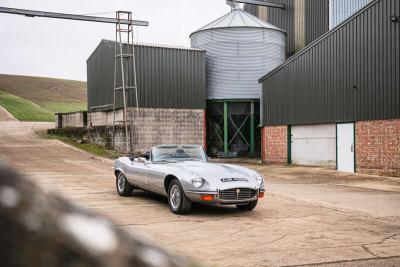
(168, 126)
(104, 118)
(150, 127)
(71, 119)
(103, 136)
(378, 147)
(274, 144)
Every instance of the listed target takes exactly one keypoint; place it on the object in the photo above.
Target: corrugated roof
(150, 45)
(169, 46)
(238, 18)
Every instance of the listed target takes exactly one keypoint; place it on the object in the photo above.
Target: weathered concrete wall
(378, 147)
(42, 229)
(151, 127)
(71, 119)
(274, 145)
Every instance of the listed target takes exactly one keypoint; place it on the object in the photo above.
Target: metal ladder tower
(125, 58)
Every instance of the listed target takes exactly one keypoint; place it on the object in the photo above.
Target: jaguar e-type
(184, 174)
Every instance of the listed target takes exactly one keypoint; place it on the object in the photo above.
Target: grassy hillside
(24, 110)
(36, 98)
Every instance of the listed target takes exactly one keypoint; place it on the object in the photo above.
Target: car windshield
(178, 153)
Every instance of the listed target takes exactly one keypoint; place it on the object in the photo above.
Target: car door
(137, 174)
(156, 177)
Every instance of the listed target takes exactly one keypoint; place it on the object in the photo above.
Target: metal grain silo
(240, 48)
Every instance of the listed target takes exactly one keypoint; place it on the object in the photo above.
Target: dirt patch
(5, 115)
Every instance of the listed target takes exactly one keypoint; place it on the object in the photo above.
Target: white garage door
(314, 145)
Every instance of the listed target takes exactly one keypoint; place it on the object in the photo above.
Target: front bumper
(195, 196)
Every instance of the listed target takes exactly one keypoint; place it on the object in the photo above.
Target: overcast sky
(59, 48)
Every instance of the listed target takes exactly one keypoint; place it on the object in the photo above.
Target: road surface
(309, 215)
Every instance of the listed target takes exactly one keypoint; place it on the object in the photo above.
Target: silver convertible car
(184, 174)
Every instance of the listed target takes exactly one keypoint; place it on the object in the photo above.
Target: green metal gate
(232, 128)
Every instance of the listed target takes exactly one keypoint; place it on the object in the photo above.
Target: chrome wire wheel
(121, 182)
(177, 200)
(123, 187)
(175, 197)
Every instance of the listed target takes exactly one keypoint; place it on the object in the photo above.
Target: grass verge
(93, 149)
(24, 110)
(64, 106)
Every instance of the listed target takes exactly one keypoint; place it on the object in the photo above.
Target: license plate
(228, 180)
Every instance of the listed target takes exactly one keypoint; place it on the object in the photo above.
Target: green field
(23, 109)
(38, 98)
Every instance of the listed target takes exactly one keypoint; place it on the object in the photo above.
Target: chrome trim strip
(202, 192)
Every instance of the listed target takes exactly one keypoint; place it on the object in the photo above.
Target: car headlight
(259, 178)
(197, 181)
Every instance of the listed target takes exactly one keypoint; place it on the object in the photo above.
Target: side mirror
(131, 157)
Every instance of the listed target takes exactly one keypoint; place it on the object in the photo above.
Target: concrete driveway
(309, 215)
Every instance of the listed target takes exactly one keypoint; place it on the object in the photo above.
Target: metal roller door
(313, 145)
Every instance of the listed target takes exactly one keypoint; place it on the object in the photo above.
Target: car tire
(124, 189)
(177, 200)
(249, 206)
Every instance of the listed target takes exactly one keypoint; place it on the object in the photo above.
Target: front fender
(118, 170)
(187, 185)
(119, 166)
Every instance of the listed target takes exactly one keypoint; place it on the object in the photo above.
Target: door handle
(352, 148)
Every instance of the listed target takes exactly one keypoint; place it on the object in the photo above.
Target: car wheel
(177, 200)
(249, 206)
(123, 187)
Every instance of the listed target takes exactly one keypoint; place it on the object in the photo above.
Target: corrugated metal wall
(303, 20)
(252, 9)
(340, 10)
(167, 77)
(237, 57)
(284, 19)
(351, 74)
(317, 19)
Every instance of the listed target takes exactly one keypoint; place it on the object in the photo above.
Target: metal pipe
(136, 91)
(226, 129)
(115, 85)
(34, 13)
(252, 128)
(260, 3)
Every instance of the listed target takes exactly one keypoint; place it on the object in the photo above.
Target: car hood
(208, 170)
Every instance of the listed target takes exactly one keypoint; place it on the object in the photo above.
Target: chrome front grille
(237, 194)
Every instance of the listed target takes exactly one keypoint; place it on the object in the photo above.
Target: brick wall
(155, 127)
(274, 144)
(378, 147)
